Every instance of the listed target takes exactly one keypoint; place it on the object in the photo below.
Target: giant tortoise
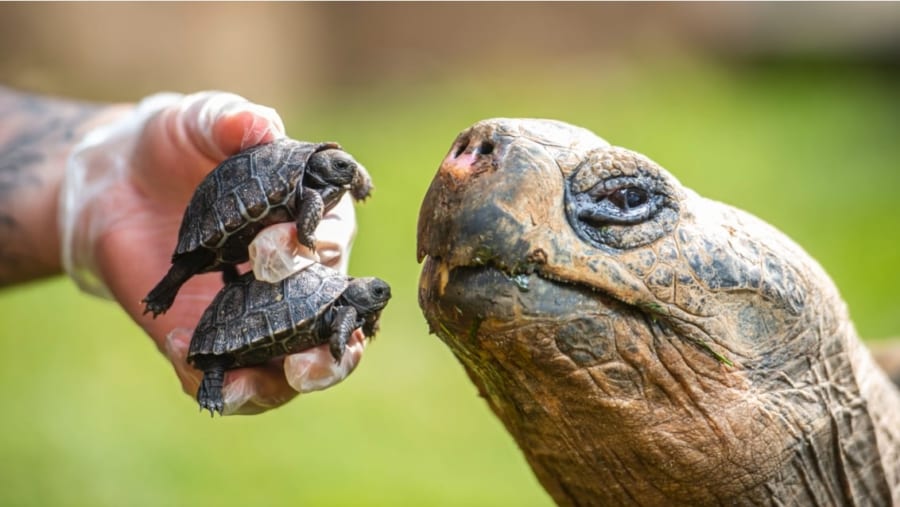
(642, 344)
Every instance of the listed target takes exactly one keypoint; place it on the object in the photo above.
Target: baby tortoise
(282, 181)
(250, 322)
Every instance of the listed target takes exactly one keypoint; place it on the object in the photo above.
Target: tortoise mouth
(522, 275)
(477, 294)
(527, 322)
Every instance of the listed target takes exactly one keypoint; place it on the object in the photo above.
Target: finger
(257, 389)
(235, 132)
(246, 391)
(200, 130)
(222, 124)
(275, 253)
(315, 369)
(334, 236)
(177, 344)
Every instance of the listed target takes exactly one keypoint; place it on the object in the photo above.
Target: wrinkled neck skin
(715, 365)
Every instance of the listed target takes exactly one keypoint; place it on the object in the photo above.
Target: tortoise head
(614, 318)
(336, 168)
(369, 296)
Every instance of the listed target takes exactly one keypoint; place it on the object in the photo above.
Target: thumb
(315, 369)
(191, 134)
(224, 123)
(221, 124)
(176, 347)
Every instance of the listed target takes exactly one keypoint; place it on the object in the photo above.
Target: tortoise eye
(629, 198)
(621, 212)
(625, 203)
(619, 199)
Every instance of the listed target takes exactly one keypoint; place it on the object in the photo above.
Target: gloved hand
(126, 187)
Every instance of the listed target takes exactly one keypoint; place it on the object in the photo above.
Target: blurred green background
(791, 112)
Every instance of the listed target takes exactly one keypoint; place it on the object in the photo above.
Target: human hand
(123, 197)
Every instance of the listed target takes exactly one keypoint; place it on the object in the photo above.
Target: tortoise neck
(835, 431)
(879, 399)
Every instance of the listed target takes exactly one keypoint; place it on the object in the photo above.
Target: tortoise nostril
(476, 146)
(485, 148)
(461, 147)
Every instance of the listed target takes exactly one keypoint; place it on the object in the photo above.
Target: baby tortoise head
(337, 168)
(369, 295)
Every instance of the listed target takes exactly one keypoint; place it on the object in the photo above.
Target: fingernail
(329, 253)
(262, 128)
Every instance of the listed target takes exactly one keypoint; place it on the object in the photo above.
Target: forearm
(36, 135)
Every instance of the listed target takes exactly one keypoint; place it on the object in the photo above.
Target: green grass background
(92, 414)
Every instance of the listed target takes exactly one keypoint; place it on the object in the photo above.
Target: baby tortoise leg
(310, 209)
(230, 273)
(342, 327)
(209, 395)
(184, 266)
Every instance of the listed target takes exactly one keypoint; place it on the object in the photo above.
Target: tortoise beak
(361, 186)
(454, 208)
(498, 191)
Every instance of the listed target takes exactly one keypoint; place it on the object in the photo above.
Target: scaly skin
(691, 356)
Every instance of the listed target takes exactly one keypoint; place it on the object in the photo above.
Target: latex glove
(126, 187)
(276, 253)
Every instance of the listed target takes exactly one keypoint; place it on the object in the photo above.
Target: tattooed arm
(36, 135)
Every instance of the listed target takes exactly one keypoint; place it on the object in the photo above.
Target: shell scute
(230, 213)
(235, 169)
(251, 320)
(279, 317)
(253, 198)
(260, 296)
(255, 329)
(278, 191)
(301, 288)
(231, 305)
